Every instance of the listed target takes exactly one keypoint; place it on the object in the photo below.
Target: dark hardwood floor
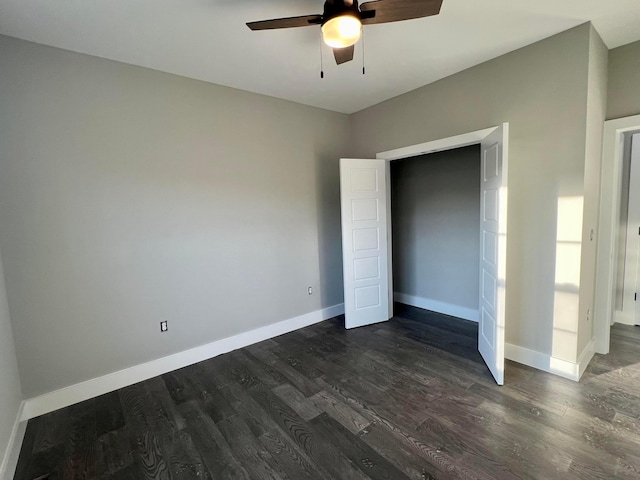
(409, 398)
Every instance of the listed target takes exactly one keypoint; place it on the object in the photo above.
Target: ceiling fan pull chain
(363, 50)
(321, 68)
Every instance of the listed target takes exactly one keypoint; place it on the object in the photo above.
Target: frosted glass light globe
(342, 31)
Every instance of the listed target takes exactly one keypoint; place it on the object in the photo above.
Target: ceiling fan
(342, 20)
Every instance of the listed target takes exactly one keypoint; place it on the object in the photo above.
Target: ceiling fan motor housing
(338, 8)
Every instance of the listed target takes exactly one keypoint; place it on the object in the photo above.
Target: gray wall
(541, 90)
(624, 81)
(129, 196)
(435, 205)
(10, 392)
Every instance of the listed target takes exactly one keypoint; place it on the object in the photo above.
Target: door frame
(608, 228)
(448, 143)
(628, 316)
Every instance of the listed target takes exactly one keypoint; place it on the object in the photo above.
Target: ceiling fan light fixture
(341, 31)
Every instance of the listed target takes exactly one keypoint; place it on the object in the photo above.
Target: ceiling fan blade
(343, 55)
(387, 11)
(289, 22)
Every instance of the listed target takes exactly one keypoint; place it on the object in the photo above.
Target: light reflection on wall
(567, 278)
(502, 274)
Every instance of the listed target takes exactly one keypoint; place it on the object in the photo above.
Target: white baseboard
(547, 363)
(586, 356)
(532, 358)
(11, 454)
(541, 361)
(436, 306)
(624, 317)
(79, 392)
(525, 356)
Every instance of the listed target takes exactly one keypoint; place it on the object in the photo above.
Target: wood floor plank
(611, 437)
(214, 450)
(127, 473)
(441, 461)
(253, 456)
(81, 453)
(405, 458)
(297, 401)
(217, 406)
(362, 455)
(44, 463)
(267, 374)
(319, 448)
(284, 450)
(253, 415)
(27, 454)
(181, 386)
(215, 370)
(109, 415)
(165, 419)
(481, 453)
(134, 408)
(293, 376)
(290, 458)
(289, 350)
(183, 459)
(340, 411)
(581, 452)
(114, 451)
(51, 430)
(149, 462)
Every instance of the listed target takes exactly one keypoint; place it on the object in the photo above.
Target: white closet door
(493, 247)
(364, 192)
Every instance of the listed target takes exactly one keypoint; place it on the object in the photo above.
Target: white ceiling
(208, 40)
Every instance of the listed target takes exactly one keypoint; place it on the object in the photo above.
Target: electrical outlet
(588, 314)
(310, 290)
(164, 326)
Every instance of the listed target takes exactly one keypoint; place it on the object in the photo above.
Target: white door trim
(627, 315)
(457, 141)
(608, 228)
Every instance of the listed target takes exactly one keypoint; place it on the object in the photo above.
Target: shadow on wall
(501, 283)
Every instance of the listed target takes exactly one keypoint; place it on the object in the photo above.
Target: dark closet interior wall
(435, 220)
